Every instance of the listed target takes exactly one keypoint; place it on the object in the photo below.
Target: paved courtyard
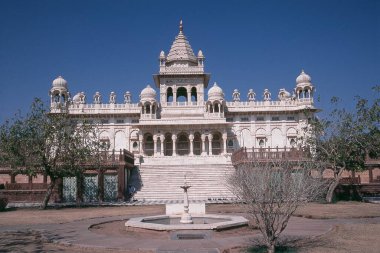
(86, 229)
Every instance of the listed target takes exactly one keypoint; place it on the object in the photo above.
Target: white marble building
(176, 129)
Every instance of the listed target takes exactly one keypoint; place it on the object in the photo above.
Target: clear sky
(114, 46)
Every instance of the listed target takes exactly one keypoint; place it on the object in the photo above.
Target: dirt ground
(343, 238)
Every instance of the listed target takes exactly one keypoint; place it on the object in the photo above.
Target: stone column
(203, 138)
(191, 138)
(174, 96)
(210, 144)
(219, 109)
(141, 138)
(224, 137)
(154, 145)
(188, 97)
(162, 140)
(174, 139)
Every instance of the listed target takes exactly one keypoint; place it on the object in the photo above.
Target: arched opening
(307, 93)
(149, 144)
(56, 98)
(181, 94)
(194, 96)
(216, 145)
(183, 144)
(147, 108)
(293, 143)
(168, 145)
(216, 107)
(261, 143)
(197, 144)
(169, 95)
(153, 109)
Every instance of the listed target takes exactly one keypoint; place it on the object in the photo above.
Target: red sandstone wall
(5, 178)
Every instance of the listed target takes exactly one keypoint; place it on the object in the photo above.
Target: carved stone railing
(268, 154)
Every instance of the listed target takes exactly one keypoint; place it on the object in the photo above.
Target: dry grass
(33, 216)
(346, 238)
(342, 209)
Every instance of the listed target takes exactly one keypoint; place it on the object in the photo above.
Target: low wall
(29, 196)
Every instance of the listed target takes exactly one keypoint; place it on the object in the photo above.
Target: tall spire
(180, 26)
(181, 49)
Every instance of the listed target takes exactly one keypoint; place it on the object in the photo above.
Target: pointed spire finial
(180, 26)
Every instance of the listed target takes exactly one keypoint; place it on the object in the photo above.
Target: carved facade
(182, 116)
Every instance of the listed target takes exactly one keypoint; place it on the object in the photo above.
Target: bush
(3, 203)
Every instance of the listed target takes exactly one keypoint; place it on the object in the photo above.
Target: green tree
(42, 142)
(346, 138)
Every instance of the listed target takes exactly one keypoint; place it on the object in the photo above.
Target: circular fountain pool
(172, 222)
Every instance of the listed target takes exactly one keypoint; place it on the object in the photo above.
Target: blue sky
(114, 45)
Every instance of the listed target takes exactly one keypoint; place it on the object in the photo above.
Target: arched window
(169, 95)
(197, 144)
(216, 144)
(261, 143)
(168, 145)
(181, 94)
(183, 144)
(194, 96)
(149, 145)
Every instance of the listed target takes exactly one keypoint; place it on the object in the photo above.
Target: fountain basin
(201, 222)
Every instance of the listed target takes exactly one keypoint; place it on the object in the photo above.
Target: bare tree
(272, 191)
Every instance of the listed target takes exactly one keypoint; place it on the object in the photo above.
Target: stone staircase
(162, 177)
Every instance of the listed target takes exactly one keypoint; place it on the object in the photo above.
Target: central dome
(215, 93)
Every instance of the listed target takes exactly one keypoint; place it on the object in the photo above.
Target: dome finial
(180, 25)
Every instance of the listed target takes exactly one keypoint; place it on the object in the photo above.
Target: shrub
(3, 203)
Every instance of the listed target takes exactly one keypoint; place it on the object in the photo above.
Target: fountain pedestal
(186, 217)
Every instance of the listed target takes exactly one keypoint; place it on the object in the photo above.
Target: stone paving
(78, 234)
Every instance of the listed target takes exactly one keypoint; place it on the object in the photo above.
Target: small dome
(148, 94)
(162, 55)
(200, 54)
(215, 93)
(60, 82)
(303, 78)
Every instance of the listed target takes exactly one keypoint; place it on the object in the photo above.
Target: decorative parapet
(242, 156)
(181, 70)
(103, 108)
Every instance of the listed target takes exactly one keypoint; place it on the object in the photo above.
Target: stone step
(161, 181)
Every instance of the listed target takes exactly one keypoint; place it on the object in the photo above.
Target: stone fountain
(186, 217)
(186, 221)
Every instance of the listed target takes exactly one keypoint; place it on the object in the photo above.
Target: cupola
(59, 82)
(148, 94)
(303, 79)
(215, 93)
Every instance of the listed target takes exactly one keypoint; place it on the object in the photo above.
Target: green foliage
(3, 203)
(43, 142)
(346, 137)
